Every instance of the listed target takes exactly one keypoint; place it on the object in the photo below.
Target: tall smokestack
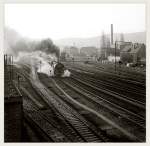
(111, 34)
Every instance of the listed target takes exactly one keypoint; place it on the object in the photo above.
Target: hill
(139, 37)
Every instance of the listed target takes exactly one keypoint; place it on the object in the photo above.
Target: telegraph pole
(115, 54)
(18, 81)
(111, 34)
(12, 68)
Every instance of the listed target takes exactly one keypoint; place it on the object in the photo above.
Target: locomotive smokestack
(111, 34)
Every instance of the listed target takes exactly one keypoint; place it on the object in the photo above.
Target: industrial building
(128, 52)
(13, 109)
(133, 53)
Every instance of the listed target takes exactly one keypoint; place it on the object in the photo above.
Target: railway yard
(94, 104)
(75, 73)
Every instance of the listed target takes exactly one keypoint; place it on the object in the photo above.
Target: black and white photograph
(75, 73)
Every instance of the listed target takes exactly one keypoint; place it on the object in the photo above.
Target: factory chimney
(111, 34)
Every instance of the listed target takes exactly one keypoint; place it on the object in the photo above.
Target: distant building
(121, 45)
(72, 51)
(133, 53)
(89, 51)
(105, 53)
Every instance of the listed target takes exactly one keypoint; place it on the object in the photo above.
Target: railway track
(111, 76)
(85, 132)
(133, 120)
(133, 105)
(54, 126)
(133, 117)
(32, 106)
(76, 101)
(77, 121)
(103, 78)
(137, 95)
(42, 123)
(122, 70)
(36, 110)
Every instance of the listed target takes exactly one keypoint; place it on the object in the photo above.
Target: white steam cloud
(67, 73)
(40, 62)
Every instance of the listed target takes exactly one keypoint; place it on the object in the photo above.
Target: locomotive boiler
(58, 68)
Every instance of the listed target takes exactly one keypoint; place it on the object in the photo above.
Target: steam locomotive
(59, 69)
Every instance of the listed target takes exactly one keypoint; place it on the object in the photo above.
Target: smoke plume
(15, 43)
(39, 55)
(38, 60)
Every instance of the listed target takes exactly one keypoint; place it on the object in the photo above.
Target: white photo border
(146, 2)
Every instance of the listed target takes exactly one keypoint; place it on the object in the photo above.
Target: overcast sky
(73, 20)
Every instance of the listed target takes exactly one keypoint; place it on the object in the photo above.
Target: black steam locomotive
(59, 69)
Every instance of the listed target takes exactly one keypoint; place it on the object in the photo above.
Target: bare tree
(122, 37)
(107, 42)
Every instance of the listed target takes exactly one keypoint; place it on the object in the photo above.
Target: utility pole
(99, 51)
(111, 34)
(12, 68)
(18, 81)
(115, 54)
